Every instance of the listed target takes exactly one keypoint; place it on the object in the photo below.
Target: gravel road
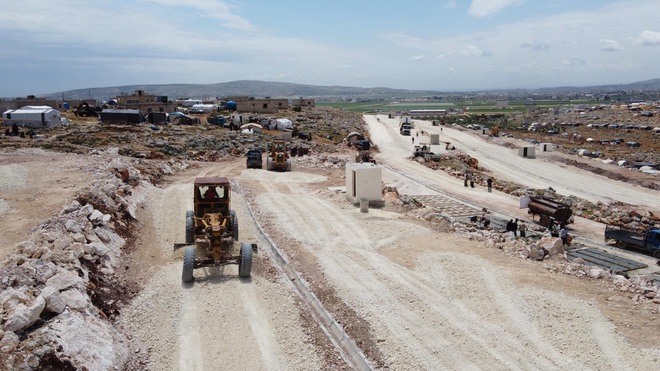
(220, 322)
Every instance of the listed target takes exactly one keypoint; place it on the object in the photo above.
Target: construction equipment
(216, 120)
(364, 156)
(212, 228)
(184, 120)
(254, 160)
(278, 158)
(425, 152)
(85, 110)
(548, 209)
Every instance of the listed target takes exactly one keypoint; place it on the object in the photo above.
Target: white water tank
(363, 180)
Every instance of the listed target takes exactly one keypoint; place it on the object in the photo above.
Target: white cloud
(648, 38)
(609, 45)
(473, 51)
(575, 62)
(418, 57)
(485, 8)
(212, 9)
(535, 45)
(451, 4)
(342, 66)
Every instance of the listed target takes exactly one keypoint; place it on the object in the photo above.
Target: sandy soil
(34, 185)
(409, 294)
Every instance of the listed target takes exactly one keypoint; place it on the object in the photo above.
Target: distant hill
(288, 90)
(237, 88)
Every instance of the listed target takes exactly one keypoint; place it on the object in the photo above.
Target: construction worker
(211, 194)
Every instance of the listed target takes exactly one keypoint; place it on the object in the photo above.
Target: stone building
(145, 102)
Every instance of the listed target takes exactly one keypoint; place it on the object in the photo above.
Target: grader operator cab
(278, 158)
(211, 229)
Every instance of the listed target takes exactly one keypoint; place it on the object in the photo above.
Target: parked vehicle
(254, 160)
(405, 129)
(647, 240)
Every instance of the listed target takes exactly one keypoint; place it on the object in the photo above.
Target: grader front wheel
(190, 225)
(245, 261)
(188, 265)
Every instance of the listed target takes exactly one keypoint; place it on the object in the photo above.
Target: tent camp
(121, 116)
(33, 117)
(251, 128)
(280, 124)
(203, 108)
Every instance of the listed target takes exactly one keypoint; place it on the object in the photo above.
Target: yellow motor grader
(212, 229)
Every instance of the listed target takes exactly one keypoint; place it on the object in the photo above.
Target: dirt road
(505, 162)
(411, 296)
(220, 322)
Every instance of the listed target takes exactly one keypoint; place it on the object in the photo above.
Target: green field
(385, 106)
(475, 107)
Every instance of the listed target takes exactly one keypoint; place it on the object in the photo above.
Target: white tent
(33, 117)
(354, 136)
(203, 108)
(284, 124)
(252, 127)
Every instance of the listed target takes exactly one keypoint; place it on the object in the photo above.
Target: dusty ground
(411, 295)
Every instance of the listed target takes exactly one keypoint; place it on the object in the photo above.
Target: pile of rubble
(551, 248)
(327, 127)
(59, 293)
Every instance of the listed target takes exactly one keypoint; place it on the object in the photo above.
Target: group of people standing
(560, 230)
(515, 227)
(470, 178)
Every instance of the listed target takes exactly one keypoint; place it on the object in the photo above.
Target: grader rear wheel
(188, 265)
(245, 261)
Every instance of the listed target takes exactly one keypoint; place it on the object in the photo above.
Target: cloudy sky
(447, 45)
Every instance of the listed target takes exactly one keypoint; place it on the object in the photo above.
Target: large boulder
(54, 301)
(72, 226)
(24, 316)
(86, 341)
(536, 252)
(26, 247)
(9, 342)
(64, 280)
(96, 217)
(553, 245)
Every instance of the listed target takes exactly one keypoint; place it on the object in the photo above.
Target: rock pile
(642, 288)
(59, 292)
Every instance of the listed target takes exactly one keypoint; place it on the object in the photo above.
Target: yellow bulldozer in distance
(278, 158)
